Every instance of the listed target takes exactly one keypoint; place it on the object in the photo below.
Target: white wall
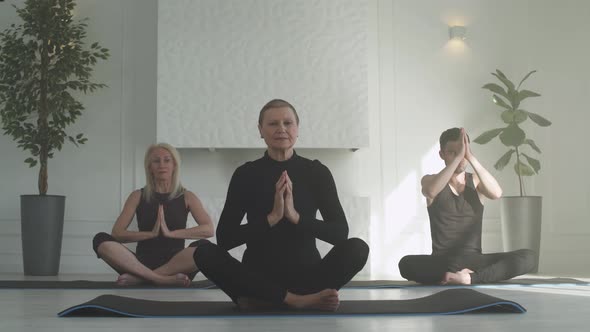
(418, 84)
(565, 84)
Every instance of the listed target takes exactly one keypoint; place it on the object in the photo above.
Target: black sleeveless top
(175, 213)
(456, 220)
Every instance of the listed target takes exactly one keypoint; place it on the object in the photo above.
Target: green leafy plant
(44, 64)
(509, 99)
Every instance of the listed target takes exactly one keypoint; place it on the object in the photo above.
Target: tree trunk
(43, 138)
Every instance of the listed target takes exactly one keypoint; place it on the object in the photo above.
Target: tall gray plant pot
(521, 223)
(42, 220)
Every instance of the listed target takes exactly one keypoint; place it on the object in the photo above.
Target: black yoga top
(285, 247)
(456, 220)
(175, 213)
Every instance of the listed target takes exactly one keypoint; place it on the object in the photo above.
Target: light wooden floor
(549, 308)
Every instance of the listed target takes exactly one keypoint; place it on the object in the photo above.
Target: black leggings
(237, 280)
(430, 269)
(150, 262)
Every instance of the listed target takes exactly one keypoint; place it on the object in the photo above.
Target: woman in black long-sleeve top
(280, 195)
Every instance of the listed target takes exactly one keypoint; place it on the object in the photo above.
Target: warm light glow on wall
(456, 47)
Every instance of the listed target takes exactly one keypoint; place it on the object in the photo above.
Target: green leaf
(535, 164)
(507, 116)
(541, 121)
(532, 144)
(513, 99)
(525, 77)
(500, 75)
(523, 169)
(520, 116)
(500, 102)
(504, 160)
(32, 162)
(517, 116)
(488, 136)
(496, 89)
(523, 94)
(512, 135)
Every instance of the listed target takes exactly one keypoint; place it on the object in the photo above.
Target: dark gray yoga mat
(206, 284)
(447, 302)
(88, 284)
(372, 284)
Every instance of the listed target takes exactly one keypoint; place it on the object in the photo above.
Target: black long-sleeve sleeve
(333, 227)
(230, 232)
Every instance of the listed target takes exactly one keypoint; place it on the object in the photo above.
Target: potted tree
(520, 215)
(44, 64)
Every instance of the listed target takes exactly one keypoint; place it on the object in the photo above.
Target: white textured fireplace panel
(220, 61)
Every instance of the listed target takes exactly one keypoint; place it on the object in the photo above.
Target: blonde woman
(162, 208)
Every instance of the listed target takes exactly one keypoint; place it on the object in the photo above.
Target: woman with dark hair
(162, 208)
(280, 195)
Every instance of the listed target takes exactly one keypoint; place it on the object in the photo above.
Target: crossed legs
(175, 272)
(251, 289)
(467, 268)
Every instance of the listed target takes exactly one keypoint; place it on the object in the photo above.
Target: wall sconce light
(457, 32)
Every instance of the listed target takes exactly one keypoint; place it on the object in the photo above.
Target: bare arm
(204, 228)
(433, 184)
(120, 232)
(486, 184)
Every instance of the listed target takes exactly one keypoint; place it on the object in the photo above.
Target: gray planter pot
(42, 219)
(521, 223)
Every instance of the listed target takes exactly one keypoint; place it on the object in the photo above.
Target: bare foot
(127, 279)
(179, 279)
(326, 300)
(462, 277)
